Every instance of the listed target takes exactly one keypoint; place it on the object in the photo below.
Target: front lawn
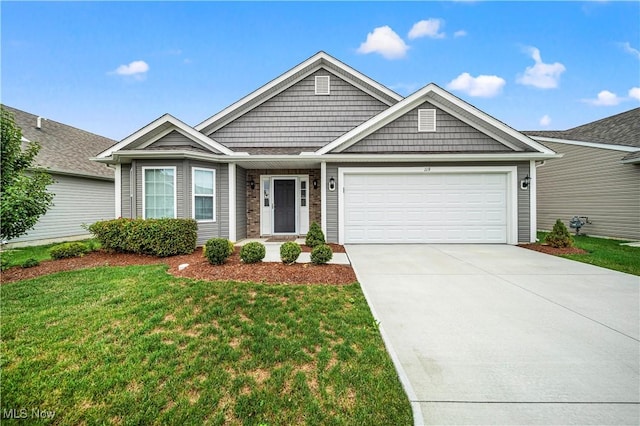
(17, 256)
(136, 345)
(605, 252)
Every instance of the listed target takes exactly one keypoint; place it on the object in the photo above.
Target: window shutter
(426, 120)
(322, 85)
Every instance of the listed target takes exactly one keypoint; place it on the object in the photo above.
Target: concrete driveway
(497, 334)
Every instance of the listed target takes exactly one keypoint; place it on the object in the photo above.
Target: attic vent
(426, 120)
(322, 85)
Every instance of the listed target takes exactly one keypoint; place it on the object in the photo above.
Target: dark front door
(284, 206)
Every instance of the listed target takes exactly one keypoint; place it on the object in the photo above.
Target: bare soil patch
(544, 248)
(199, 268)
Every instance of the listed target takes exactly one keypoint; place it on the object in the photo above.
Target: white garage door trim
(511, 173)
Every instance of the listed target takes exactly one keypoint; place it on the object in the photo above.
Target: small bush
(315, 236)
(217, 250)
(289, 252)
(30, 263)
(252, 252)
(559, 236)
(321, 254)
(68, 250)
(157, 237)
(5, 259)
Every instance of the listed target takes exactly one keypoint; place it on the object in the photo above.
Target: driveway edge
(418, 420)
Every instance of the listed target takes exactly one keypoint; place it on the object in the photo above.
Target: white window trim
(193, 194)
(318, 78)
(425, 111)
(175, 186)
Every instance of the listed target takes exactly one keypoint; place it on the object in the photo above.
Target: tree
(23, 186)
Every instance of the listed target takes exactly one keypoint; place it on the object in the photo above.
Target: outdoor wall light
(315, 184)
(332, 184)
(252, 184)
(524, 183)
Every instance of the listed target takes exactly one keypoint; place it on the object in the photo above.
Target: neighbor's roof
(620, 129)
(64, 149)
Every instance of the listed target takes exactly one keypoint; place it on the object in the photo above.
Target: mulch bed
(199, 268)
(543, 248)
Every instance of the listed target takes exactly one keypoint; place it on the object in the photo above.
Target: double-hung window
(204, 194)
(159, 192)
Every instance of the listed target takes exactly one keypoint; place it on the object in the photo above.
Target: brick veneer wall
(253, 196)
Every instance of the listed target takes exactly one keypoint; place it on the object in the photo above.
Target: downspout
(533, 198)
(323, 196)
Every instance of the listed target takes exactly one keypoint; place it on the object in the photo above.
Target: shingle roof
(64, 148)
(620, 129)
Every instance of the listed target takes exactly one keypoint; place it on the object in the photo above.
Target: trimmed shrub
(315, 236)
(156, 237)
(67, 250)
(5, 259)
(321, 254)
(217, 250)
(289, 252)
(30, 263)
(252, 252)
(559, 236)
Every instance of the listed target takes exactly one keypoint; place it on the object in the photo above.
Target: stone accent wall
(253, 196)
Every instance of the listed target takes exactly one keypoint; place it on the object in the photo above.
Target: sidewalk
(273, 252)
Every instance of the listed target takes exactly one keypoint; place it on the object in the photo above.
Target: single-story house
(323, 142)
(598, 177)
(84, 190)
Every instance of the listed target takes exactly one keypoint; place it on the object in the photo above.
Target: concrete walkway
(496, 334)
(273, 252)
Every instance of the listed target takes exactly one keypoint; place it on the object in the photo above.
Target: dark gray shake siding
(523, 196)
(176, 140)
(451, 135)
(298, 118)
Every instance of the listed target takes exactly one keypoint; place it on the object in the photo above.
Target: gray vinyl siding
(241, 203)
(299, 118)
(523, 201)
(77, 201)
(451, 135)
(590, 182)
(206, 230)
(176, 140)
(125, 194)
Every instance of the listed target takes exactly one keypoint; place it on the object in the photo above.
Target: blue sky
(113, 67)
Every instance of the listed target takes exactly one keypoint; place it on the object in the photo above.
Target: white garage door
(425, 208)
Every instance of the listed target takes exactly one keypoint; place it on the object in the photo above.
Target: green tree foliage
(559, 236)
(23, 187)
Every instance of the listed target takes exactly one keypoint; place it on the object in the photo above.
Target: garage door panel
(435, 208)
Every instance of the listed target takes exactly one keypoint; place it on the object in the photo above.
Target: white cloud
(545, 120)
(385, 41)
(627, 48)
(134, 68)
(605, 98)
(634, 93)
(541, 75)
(427, 28)
(460, 33)
(485, 86)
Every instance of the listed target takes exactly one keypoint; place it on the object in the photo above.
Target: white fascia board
(613, 147)
(356, 158)
(316, 59)
(411, 102)
(179, 125)
(631, 161)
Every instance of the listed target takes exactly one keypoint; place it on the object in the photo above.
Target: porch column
(323, 196)
(533, 205)
(118, 188)
(232, 202)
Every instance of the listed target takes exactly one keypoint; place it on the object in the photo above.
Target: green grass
(17, 256)
(135, 345)
(605, 252)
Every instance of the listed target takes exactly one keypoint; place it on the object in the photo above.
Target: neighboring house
(598, 176)
(84, 190)
(325, 143)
